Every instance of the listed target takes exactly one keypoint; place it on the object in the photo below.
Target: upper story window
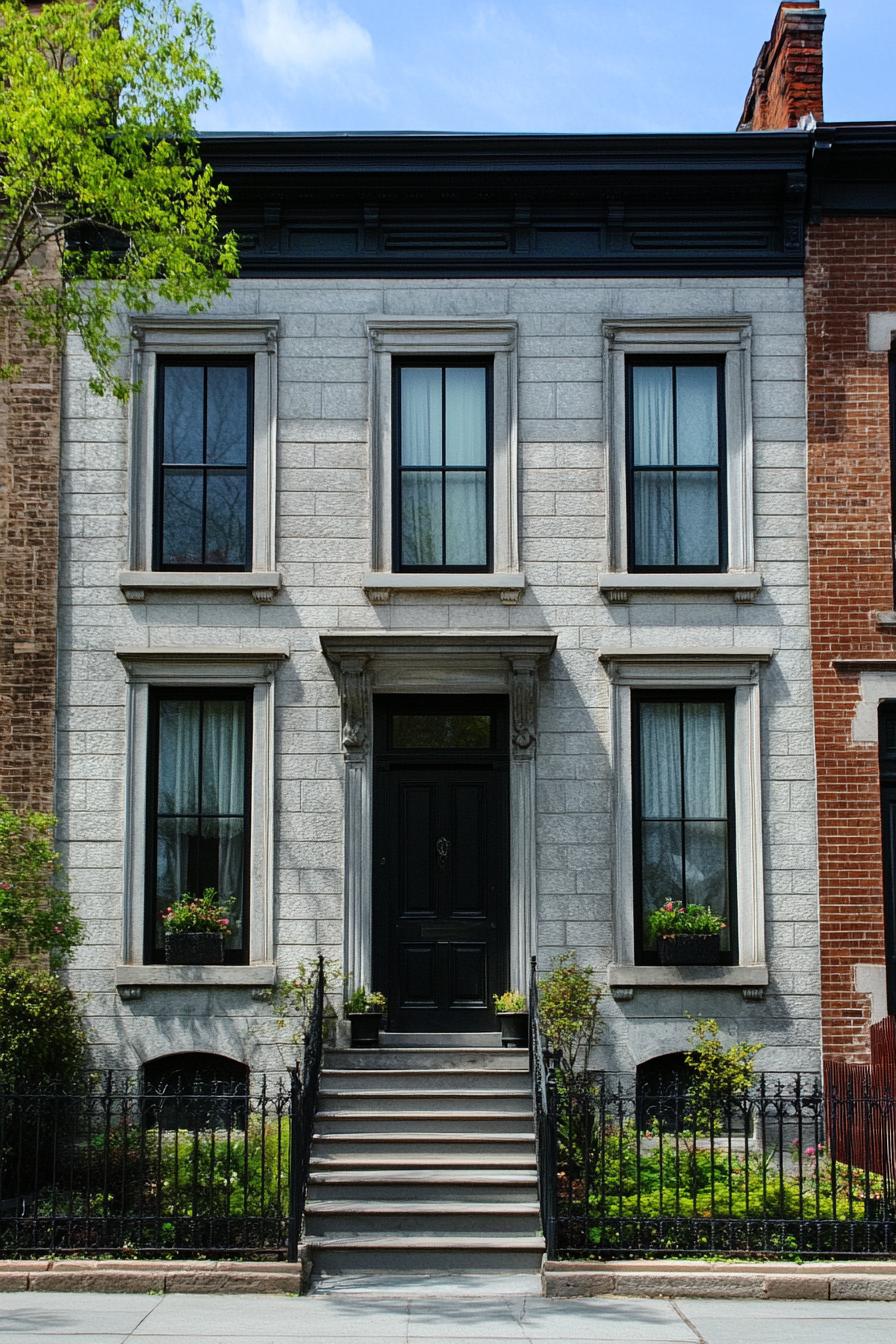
(442, 474)
(198, 815)
(684, 811)
(675, 416)
(202, 456)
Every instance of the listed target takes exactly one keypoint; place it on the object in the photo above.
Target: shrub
(569, 1010)
(36, 915)
(717, 1073)
(41, 1039)
(511, 1001)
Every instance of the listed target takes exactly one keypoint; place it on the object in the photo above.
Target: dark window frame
(158, 694)
(721, 470)
(160, 469)
(443, 362)
(700, 696)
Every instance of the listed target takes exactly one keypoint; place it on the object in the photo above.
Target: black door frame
(386, 758)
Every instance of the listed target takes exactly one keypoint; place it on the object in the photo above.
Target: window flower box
(194, 949)
(690, 949)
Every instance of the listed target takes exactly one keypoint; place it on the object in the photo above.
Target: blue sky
(524, 65)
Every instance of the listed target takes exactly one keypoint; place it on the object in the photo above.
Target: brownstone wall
(29, 541)
(851, 271)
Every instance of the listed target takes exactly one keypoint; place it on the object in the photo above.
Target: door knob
(442, 847)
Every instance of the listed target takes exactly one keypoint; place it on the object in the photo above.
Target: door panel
(888, 809)
(440, 887)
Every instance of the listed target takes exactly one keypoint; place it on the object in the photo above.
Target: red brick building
(850, 298)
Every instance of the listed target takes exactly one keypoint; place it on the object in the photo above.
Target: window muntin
(676, 489)
(198, 813)
(203, 475)
(442, 474)
(683, 792)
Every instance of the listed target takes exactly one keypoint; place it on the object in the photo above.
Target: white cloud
(298, 39)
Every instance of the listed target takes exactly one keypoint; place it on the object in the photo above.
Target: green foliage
(569, 1010)
(293, 998)
(198, 914)
(671, 920)
(36, 915)
(717, 1073)
(362, 1001)
(41, 1039)
(96, 109)
(511, 1001)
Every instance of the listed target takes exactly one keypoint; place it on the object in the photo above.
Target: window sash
(447, 484)
(198, 814)
(674, 477)
(208, 476)
(646, 821)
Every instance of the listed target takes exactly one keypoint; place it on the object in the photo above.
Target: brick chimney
(786, 82)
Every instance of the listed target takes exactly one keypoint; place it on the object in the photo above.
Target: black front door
(887, 740)
(440, 859)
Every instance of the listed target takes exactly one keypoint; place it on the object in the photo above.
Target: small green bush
(717, 1074)
(569, 1010)
(42, 1042)
(36, 915)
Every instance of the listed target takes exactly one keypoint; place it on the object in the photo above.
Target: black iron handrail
(304, 1088)
(542, 1067)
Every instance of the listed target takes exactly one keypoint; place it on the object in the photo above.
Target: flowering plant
(674, 919)
(363, 1000)
(511, 1001)
(197, 914)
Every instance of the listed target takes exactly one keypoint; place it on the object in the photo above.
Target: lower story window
(198, 807)
(683, 808)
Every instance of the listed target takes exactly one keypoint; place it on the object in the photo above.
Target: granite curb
(150, 1276)
(865, 1281)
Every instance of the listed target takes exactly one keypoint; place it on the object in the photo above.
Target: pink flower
(57, 928)
(669, 906)
(810, 1152)
(224, 923)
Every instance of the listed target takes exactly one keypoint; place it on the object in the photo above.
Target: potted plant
(510, 1009)
(686, 935)
(195, 929)
(365, 1013)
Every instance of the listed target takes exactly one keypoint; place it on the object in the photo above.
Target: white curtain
(421, 445)
(697, 444)
(223, 775)
(653, 447)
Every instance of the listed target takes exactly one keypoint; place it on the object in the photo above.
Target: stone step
(460, 1147)
(424, 1185)
(421, 1218)
(348, 1254)
(429, 1057)
(491, 1122)
(372, 1161)
(512, 1102)
(450, 1040)
(401, 1080)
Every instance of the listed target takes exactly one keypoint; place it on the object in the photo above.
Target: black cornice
(853, 169)
(578, 205)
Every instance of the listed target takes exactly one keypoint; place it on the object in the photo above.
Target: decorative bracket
(524, 704)
(753, 993)
(130, 993)
(623, 993)
(355, 705)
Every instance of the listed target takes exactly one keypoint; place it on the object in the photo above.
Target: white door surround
(444, 663)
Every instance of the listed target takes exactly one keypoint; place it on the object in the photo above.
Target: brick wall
(851, 271)
(787, 76)
(29, 539)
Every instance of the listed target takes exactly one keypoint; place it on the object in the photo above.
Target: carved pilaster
(524, 703)
(355, 703)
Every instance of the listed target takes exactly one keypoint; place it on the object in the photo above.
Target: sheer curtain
(178, 803)
(465, 446)
(706, 807)
(223, 776)
(697, 438)
(661, 876)
(653, 447)
(421, 446)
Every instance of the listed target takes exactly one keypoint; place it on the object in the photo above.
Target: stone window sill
(625, 979)
(886, 620)
(618, 587)
(379, 587)
(130, 981)
(136, 583)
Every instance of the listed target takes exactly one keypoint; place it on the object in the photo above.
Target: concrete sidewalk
(436, 1316)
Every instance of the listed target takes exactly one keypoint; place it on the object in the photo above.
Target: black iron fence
(781, 1170)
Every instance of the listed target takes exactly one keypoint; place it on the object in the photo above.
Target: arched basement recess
(195, 1091)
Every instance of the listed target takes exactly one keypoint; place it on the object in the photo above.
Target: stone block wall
(323, 522)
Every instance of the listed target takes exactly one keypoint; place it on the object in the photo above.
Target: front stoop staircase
(423, 1159)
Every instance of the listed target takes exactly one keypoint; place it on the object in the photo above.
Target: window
(199, 805)
(200, 744)
(202, 456)
(679, 457)
(675, 415)
(203, 464)
(683, 832)
(685, 728)
(442, 468)
(443, 457)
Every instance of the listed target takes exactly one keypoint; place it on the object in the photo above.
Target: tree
(105, 203)
(36, 915)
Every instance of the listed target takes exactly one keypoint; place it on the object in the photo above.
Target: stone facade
(324, 501)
